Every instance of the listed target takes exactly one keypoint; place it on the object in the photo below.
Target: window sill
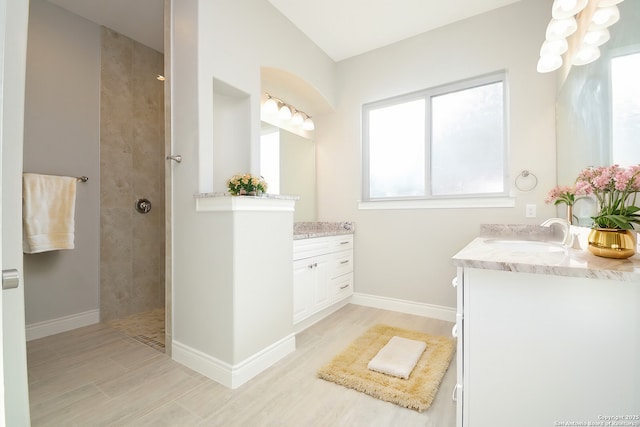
(479, 202)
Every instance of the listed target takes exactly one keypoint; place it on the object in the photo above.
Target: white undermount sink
(531, 246)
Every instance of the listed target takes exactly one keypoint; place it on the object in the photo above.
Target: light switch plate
(530, 211)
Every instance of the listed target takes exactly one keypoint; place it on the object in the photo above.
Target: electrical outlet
(530, 211)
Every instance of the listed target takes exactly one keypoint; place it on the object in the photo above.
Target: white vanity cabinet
(322, 273)
(546, 350)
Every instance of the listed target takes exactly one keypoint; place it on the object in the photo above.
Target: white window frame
(501, 199)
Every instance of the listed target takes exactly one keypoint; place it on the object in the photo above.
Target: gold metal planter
(612, 243)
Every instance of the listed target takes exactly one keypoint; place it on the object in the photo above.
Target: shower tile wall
(131, 167)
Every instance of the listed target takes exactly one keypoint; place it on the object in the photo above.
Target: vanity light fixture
(594, 16)
(278, 108)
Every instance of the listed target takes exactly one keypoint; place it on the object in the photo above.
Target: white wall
(406, 254)
(62, 138)
(223, 42)
(237, 39)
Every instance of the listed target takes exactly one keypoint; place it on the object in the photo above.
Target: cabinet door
(458, 284)
(303, 289)
(542, 349)
(321, 295)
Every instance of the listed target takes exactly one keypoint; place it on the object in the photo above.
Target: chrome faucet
(567, 239)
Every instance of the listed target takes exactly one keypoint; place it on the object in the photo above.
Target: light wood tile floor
(97, 376)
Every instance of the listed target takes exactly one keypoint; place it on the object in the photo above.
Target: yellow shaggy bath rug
(349, 368)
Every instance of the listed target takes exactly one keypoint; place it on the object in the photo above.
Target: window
(625, 109)
(441, 143)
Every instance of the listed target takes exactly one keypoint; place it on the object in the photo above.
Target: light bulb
(562, 9)
(270, 106)
(297, 119)
(604, 17)
(605, 3)
(554, 47)
(585, 55)
(549, 63)
(561, 28)
(596, 37)
(308, 124)
(285, 112)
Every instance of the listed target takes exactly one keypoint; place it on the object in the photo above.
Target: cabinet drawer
(341, 243)
(342, 287)
(341, 263)
(305, 248)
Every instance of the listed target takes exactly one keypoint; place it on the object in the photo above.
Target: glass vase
(570, 214)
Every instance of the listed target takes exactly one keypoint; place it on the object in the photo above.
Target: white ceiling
(341, 28)
(140, 20)
(345, 28)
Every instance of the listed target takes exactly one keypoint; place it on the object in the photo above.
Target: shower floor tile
(147, 327)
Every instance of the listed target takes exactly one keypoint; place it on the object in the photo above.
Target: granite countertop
(308, 230)
(570, 262)
(261, 196)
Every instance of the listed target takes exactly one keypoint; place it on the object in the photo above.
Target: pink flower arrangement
(615, 188)
(565, 194)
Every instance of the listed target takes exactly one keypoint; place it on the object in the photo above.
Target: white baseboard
(416, 308)
(232, 376)
(315, 318)
(62, 324)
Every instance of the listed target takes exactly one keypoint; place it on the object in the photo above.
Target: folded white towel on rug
(48, 211)
(398, 357)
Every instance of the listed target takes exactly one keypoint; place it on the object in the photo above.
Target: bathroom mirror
(598, 105)
(288, 164)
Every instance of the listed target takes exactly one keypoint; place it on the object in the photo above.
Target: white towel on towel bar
(48, 211)
(398, 357)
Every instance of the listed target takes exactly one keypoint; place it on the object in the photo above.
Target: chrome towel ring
(526, 181)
